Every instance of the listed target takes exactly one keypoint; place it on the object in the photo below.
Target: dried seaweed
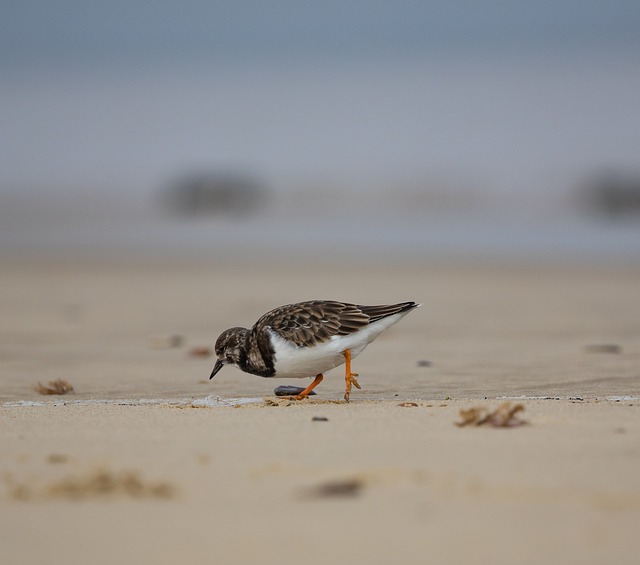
(505, 416)
(200, 352)
(58, 386)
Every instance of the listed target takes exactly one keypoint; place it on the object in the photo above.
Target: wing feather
(316, 321)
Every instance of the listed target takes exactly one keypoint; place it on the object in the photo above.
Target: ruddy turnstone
(307, 339)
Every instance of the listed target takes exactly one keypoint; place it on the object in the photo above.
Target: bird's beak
(219, 364)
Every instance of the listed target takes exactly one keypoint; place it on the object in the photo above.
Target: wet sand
(376, 482)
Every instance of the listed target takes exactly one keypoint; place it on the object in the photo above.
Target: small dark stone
(603, 348)
(288, 390)
(319, 419)
(424, 363)
(338, 489)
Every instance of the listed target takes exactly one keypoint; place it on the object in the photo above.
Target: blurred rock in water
(208, 194)
(613, 194)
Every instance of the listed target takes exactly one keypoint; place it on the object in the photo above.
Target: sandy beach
(135, 467)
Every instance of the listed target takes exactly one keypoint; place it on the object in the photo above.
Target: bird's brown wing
(316, 321)
(309, 323)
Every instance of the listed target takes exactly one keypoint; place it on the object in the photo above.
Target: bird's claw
(351, 380)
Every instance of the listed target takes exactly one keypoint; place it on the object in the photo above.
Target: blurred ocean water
(297, 231)
(373, 127)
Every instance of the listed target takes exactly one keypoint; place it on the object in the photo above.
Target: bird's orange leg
(349, 377)
(307, 390)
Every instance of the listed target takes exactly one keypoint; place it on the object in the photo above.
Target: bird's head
(229, 347)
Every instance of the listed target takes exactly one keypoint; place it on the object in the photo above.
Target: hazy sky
(125, 95)
(67, 30)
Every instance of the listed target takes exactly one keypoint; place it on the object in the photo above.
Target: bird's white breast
(292, 361)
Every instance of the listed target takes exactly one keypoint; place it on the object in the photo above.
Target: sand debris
(100, 483)
(277, 402)
(504, 416)
(104, 482)
(165, 341)
(408, 404)
(285, 401)
(58, 386)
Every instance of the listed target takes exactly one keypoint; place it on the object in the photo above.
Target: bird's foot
(350, 378)
(305, 393)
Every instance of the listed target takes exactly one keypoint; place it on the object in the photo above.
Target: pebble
(338, 489)
(603, 348)
(288, 390)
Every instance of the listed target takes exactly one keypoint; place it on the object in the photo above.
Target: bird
(307, 339)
